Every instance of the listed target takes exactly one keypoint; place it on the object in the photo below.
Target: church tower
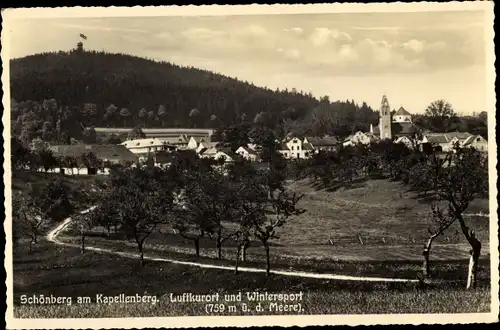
(385, 119)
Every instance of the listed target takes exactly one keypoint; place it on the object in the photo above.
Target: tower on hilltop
(79, 47)
(385, 119)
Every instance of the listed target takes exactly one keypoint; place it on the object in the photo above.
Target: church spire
(385, 119)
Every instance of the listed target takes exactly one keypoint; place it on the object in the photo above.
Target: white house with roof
(445, 141)
(325, 143)
(248, 153)
(407, 142)
(194, 142)
(401, 116)
(295, 148)
(360, 138)
(202, 146)
(477, 142)
(146, 146)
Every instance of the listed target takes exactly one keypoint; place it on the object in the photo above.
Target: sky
(414, 58)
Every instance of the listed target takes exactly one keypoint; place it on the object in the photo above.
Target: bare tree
(85, 223)
(440, 222)
(459, 178)
(280, 206)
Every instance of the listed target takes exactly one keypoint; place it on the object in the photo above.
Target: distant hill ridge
(75, 78)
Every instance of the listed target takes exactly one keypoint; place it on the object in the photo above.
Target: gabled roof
(322, 141)
(471, 139)
(283, 146)
(208, 151)
(110, 152)
(458, 135)
(248, 150)
(403, 128)
(402, 112)
(437, 138)
(211, 144)
(199, 139)
(143, 143)
(307, 146)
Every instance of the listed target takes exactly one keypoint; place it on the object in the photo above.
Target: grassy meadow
(377, 228)
(63, 271)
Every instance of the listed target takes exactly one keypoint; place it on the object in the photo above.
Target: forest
(116, 90)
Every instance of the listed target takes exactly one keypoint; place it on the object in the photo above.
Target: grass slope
(60, 271)
(377, 210)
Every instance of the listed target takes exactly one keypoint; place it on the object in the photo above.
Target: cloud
(291, 54)
(414, 45)
(322, 36)
(296, 30)
(254, 30)
(202, 34)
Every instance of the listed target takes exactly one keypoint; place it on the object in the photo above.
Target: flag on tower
(83, 36)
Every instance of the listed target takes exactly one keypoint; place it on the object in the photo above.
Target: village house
(144, 147)
(407, 141)
(225, 154)
(325, 143)
(107, 154)
(477, 142)
(248, 153)
(194, 142)
(447, 141)
(295, 148)
(360, 138)
(208, 152)
(179, 141)
(159, 133)
(202, 146)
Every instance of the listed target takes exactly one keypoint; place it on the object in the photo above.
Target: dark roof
(458, 135)
(322, 141)
(111, 152)
(399, 129)
(402, 112)
(199, 139)
(307, 146)
(437, 138)
(283, 146)
(249, 150)
(228, 151)
(403, 128)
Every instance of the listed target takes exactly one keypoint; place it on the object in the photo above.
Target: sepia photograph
(282, 165)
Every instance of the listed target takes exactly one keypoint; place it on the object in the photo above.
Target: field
(378, 220)
(77, 183)
(377, 229)
(64, 271)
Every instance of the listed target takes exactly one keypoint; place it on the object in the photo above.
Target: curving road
(52, 237)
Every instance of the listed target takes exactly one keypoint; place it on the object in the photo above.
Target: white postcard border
(245, 321)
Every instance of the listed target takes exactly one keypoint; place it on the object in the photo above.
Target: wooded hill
(118, 90)
(134, 83)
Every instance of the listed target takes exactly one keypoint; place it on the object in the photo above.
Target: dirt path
(52, 237)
